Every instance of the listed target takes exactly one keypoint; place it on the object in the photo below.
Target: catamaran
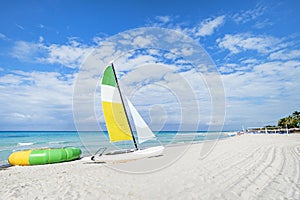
(118, 124)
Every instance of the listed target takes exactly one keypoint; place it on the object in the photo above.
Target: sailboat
(118, 124)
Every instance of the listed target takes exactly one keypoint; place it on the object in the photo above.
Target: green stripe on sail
(109, 77)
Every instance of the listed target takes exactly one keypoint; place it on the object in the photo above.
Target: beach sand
(241, 167)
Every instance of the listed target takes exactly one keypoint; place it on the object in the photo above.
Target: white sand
(242, 167)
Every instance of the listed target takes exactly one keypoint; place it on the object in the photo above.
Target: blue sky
(254, 44)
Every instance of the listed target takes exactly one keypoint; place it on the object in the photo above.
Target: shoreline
(43, 141)
(258, 166)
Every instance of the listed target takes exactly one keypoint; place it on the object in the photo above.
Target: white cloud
(36, 100)
(20, 27)
(143, 41)
(10, 79)
(163, 19)
(187, 51)
(228, 68)
(250, 61)
(205, 28)
(2, 36)
(20, 116)
(248, 15)
(41, 39)
(99, 39)
(208, 26)
(257, 97)
(69, 55)
(285, 55)
(265, 80)
(180, 94)
(242, 42)
(27, 51)
(262, 24)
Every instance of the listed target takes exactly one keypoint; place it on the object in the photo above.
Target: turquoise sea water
(88, 142)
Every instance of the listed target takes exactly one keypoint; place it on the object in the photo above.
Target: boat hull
(133, 155)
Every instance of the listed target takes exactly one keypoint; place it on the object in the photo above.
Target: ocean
(89, 142)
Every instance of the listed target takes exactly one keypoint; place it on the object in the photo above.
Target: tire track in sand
(228, 177)
(249, 184)
(226, 163)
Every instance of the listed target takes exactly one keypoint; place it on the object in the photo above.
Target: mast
(134, 141)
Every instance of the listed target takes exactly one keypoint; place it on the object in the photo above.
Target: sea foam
(25, 143)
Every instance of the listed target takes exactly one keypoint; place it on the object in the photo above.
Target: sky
(254, 45)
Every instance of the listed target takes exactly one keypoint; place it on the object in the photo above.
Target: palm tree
(292, 121)
(282, 122)
(296, 118)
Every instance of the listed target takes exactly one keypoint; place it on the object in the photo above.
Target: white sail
(144, 133)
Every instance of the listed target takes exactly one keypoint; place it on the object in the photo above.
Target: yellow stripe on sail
(116, 122)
